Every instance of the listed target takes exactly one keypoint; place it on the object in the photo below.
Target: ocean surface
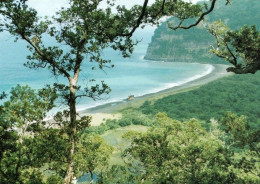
(130, 76)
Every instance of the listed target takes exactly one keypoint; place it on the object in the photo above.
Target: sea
(130, 76)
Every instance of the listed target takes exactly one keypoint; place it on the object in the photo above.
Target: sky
(49, 7)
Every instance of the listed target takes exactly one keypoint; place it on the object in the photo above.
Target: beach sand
(98, 118)
(112, 110)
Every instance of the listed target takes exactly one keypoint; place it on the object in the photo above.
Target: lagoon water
(131, 76)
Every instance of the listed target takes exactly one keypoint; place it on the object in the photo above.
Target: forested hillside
(193, 45)
(224, 150)
(237, 93)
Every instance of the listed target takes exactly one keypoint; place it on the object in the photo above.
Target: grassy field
(114, 138)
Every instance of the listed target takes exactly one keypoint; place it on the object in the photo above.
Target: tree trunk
(92, 177)
(71, 132)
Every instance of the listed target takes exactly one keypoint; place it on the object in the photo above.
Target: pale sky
(49, 7)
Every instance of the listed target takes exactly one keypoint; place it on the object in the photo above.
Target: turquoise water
(131, 76)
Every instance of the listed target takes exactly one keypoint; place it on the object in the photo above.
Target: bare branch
(234, 61)
(198, 21)
(139, 21)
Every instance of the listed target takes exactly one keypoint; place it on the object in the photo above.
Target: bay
(130, 76)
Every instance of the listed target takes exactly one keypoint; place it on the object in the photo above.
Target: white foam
(156, 90)
(83, 107)
(165, 86)
(171, 85)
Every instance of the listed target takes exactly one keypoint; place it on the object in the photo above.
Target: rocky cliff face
(193, 45)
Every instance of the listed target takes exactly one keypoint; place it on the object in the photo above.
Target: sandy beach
(112, 110)
(98, 118)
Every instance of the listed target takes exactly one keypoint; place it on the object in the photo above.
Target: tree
(3, 96)
(19, 117)
(86, 30)
(241, 47)
(93, 155)
(180, 153)
(240, 134)
(185, 152)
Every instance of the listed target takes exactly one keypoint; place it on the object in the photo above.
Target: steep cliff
(193, 45)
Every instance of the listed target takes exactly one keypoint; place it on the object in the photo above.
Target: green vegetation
(237, 93)
(193, 45)
(129, 118)
(115, 138)
(227, 151)
(18, 161)
(35, 151)
(94, 155)
(241, 47)
(185, 152)
(79, 33)
(81, 30)
(55, 152)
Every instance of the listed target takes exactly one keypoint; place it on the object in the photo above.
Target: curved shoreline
(157, 90)
(218, 71)
(172, 85)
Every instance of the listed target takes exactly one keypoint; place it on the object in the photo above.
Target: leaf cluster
(241, 47)
(20, 118)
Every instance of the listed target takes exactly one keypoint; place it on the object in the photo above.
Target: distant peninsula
(193, 45)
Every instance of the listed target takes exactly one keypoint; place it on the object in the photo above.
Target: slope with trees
(17, 160)
(237, 93)
(193, 45)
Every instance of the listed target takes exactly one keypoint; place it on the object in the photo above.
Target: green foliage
(28, 143)
(129, 118)
(30, 146)
(31, 106)
(185, 152)
(234, 93)
(20, 117)
(180, 153)
(3, 96)
(193, 45)
(241, 48)
(54, 180)
(85, 29)
(118, 139)
(93, 155)
(240, 134)
(120, 174)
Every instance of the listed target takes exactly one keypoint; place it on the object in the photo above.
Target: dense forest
(193, 45)
(237, 93)
(217, 135)
(185, 152)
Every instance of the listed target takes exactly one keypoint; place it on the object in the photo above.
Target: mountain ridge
(193, 45)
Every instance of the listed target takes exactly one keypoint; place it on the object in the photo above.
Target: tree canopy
(185, 152)
(241, 47)
(85, 29)
(80, 33)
